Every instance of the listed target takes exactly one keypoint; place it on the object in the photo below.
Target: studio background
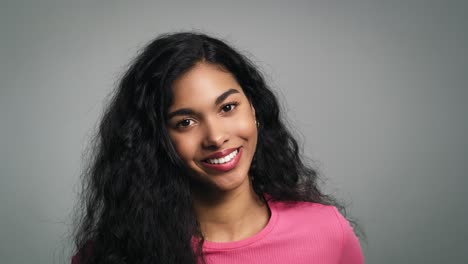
(377, 89)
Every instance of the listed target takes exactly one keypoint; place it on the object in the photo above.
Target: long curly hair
(136, 204)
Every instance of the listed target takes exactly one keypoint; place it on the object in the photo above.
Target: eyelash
(179, 124)
(235, 104)
(232, 104)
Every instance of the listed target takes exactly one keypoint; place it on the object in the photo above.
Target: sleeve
(85, 250)
(75, 259)
(351, 252)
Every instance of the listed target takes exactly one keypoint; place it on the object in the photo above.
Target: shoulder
(316, 216)
(82, 254)
(318, 225)
(307, 211)
(322, 223)
(308, 219)
(75, 259)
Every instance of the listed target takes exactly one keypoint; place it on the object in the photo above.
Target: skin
(216, 116)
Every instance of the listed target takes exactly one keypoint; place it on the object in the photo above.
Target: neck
(230, 216)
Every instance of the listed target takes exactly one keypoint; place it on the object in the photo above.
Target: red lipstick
(224, 166)
(220, 154)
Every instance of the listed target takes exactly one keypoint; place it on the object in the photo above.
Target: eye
(184, 123)
(229, 107)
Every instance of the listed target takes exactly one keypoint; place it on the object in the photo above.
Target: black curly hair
(136, 204)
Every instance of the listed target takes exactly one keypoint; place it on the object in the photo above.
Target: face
(212, 125)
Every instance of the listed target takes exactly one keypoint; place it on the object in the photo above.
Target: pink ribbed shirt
(296, 233)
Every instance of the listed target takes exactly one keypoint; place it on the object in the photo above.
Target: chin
(221, 183)
(226, 187)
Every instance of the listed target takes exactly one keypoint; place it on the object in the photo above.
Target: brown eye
(229, 107)
(184, 123)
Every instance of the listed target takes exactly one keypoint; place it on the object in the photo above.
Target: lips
(223, 167)
(221, 154)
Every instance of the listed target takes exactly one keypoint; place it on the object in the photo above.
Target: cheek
(184, 146)
(245, 127)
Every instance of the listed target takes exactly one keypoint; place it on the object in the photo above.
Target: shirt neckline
(246, 241)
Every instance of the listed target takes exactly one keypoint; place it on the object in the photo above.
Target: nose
(216, 134)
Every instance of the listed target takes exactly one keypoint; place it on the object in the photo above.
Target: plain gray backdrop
(376, 89)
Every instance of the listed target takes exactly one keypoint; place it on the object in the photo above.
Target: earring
(257, 123)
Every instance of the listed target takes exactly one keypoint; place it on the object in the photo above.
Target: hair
(136, 204)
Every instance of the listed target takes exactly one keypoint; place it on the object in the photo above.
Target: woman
(192, 164)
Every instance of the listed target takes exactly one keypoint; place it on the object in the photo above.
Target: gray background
(377, 89)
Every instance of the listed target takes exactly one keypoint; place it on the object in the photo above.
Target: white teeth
(225, 159)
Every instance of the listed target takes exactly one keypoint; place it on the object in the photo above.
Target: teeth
(225, 159)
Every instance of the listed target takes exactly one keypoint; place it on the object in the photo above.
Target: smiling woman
(192, 164)
(216, 134)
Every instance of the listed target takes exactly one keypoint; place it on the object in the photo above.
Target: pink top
(296, 233)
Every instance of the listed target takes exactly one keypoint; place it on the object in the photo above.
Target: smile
(224, 159)
(226, 163)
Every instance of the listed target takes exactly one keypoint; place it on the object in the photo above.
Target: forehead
(202, 85)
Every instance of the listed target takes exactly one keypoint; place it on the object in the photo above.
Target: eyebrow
(188, 111)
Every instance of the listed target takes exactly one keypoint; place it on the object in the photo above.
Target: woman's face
(212, 126)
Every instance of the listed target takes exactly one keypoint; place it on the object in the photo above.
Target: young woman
(193, 164)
